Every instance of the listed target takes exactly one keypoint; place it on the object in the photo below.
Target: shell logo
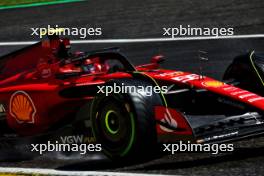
(213, 84)
(22, 107)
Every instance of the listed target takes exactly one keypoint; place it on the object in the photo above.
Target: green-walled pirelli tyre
(124, 122)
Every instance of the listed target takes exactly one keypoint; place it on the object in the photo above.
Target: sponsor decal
(217, 137)
(243, 94)
(22, 107)
(255, 99)
(46, 73)
(213, 83)
(239, 92)
(171, 74)
(186, 78)
(44, 68)
(2, 108)
(168, 119)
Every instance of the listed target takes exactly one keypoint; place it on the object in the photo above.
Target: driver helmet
(88, 66)
(93, 65)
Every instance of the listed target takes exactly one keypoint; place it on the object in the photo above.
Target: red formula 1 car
(44, 89)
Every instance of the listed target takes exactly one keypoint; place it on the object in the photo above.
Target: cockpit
(97, 63)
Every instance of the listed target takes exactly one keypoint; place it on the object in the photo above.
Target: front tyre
(124, 123)
(246, 72)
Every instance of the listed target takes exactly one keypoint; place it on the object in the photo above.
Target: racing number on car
(22, 107)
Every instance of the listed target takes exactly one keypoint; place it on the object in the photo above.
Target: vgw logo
(77, 139)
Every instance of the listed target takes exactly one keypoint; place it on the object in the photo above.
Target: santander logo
(168, 119)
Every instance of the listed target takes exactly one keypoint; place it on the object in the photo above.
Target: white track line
(13, 170)
(146, 40)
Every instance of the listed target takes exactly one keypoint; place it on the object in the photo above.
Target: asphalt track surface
(138, 19)
(135, 19)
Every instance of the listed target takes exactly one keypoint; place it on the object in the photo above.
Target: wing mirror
(157, 59)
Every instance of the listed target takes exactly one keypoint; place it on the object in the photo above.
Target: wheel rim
(114, 128)
(112, 122)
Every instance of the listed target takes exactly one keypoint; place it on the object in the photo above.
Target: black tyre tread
(146, 137)
(241, 71)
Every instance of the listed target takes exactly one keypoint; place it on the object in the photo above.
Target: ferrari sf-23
(44, 88)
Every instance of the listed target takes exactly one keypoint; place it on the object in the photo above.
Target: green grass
(11, 4)
(21, 2)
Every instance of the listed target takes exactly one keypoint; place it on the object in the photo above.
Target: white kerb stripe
(13, 170)
(146, 40)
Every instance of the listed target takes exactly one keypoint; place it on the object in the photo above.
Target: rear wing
(28, 58)
(19, 61)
